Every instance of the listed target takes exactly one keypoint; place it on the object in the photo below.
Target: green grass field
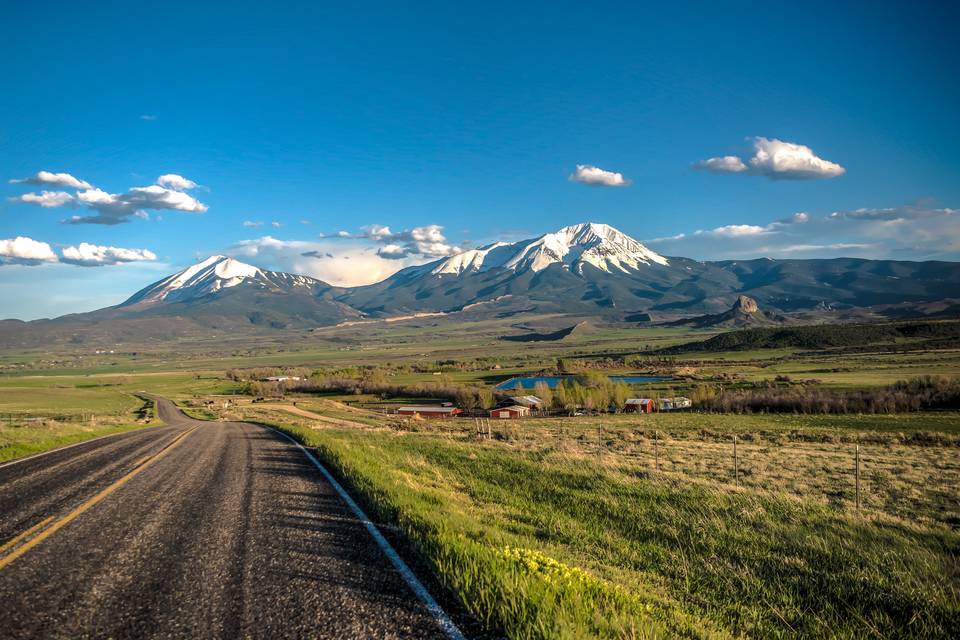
(596, 526)
(545, 546)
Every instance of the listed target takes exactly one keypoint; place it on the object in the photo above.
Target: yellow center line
(141, 461)
(6, 545)
(56, 526)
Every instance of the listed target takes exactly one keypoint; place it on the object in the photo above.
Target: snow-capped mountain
(594, 268)
(584, 269)
(599, 245)
(215, 274)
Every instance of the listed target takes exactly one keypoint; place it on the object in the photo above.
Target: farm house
(673, 404)
(531, 402)
(429, 411)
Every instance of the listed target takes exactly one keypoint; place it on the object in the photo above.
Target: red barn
(506, 413)
(638, 405)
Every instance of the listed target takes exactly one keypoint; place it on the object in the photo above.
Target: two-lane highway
(192, 530)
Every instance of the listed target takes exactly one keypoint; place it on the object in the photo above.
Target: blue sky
(458, 125)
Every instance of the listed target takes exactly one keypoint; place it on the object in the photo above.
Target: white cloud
(148, 117)
(90, 255)
(250, 224)
(908, 212)
(722, 164)
(58, 179)
(173, 181)
(427, 241)
(373, 231)
(276, 225)
(597, 177)
(27, 251)
(392, 252)
(913, 232)
(777, 160)
(735, 231)
(267, 245)
(837, 246)
(349, 260)
(46, 199)
(115, 208)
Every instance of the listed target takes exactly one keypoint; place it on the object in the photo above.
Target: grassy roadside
(541, 547)
(19, 438)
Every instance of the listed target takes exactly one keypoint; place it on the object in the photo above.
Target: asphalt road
(192, 530)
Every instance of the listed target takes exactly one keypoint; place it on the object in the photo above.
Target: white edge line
(10, 463)
(408, 576)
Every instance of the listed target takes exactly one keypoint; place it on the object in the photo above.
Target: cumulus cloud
(57, 179)
(169, 193)
(91, 255)
(349, 259)
(46, 199)
(911, 232)
(337, 262)
(427, 241)
(392, 252)
(722, 164)
(25, 251)
(175, 182)
(597, 177)
(373, 231)
(777, 160)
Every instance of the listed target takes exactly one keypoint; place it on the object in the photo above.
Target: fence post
(858, 477)
(600, 442)
(736, 462)
(656, 451)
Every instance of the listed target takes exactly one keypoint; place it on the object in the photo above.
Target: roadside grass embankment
(541, 543)
(24, 436)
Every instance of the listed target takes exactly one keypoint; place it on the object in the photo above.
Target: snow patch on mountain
(598, 245)
(214, 274)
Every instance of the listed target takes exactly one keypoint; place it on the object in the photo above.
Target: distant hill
(820, 336)
(554, 336)
(745, 312)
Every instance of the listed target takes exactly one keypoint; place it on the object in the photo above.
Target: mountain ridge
(584, 270)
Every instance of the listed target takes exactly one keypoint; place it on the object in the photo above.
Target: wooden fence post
(736, 462)
(858, 477)
(600, 442)
(656, 452)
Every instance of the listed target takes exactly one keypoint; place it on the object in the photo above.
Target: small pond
(552, 381)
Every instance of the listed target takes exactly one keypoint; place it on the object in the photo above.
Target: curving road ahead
(192, 530)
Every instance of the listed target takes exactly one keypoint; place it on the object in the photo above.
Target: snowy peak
(599, 245)
(212, 275)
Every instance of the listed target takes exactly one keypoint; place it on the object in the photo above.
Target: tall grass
(540, 547)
